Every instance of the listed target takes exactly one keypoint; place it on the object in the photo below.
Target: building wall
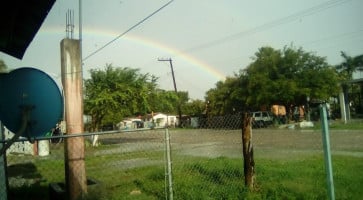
(24, 147)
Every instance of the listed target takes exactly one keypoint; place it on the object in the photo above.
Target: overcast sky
(207, 40)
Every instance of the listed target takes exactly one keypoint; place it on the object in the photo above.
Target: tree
(264, 79)
(285, 77)
(170, 102)
(225, 98)
(346, 70)
(288, 77)
(164, 101)
(194, 108)
(114, 93)
(349, 65)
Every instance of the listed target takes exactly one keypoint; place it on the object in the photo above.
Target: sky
(207, 40)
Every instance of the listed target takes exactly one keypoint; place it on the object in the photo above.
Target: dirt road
(274, 143)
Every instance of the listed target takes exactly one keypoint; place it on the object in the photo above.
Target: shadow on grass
(25, 182)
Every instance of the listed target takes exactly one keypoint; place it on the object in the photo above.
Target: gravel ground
(274, 143)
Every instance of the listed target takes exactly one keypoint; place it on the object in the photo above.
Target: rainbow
(148, 43)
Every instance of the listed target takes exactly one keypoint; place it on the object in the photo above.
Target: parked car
(261, 119)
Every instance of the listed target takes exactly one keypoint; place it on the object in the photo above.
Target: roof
(359, 80)
(20, 21)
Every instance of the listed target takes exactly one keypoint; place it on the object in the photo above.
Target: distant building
(132, 123)
(163, 120)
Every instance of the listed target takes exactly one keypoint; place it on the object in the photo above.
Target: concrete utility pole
(71, 68)
(176, 91)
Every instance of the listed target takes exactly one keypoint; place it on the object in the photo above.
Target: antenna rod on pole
(80, 30)
(176, 91)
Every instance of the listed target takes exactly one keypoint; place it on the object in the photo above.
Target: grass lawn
(289, 165)
(340, 125)
(209, 178)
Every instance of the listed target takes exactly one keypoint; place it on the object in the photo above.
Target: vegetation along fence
(200, 162)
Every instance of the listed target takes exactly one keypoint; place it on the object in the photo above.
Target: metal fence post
(168, 164)
(327, 154)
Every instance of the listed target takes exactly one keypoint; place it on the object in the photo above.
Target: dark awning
(20, 20)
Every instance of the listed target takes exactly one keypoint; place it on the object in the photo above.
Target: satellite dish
(31, 91)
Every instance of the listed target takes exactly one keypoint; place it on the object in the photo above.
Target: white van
(261, 119)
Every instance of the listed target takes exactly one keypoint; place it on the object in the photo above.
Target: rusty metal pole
(249, 163)
(76, 181)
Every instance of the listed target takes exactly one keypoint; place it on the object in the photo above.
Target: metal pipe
(327, 154)
(81, 134)
(168, 159)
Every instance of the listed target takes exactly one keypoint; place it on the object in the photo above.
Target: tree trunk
(249, 163)
(346, 99)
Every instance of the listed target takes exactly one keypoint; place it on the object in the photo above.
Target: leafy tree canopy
(286, 77)
(114, 93)
(194, 108)
(349, 65)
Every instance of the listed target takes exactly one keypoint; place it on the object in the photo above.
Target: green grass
(355, 125)
(203, 178)
(222, 178)
(339, 125)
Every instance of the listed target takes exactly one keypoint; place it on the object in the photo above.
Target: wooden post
(249, 163)
(76, 181)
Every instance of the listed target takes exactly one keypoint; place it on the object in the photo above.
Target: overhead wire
(265, 26)
(271, 24)
(328, 39)
(128, 30)
(347, 35)
(341, 44)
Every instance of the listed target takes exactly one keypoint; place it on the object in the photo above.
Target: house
(132, 123)
(163, 120)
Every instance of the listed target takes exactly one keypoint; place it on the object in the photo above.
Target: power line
(341, 45)
(128, 30)
(347, 35)
(271, 24)
(339, 37)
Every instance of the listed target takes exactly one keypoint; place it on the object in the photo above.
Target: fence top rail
(22, 139)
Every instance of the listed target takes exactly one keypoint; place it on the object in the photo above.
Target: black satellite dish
(30, 98)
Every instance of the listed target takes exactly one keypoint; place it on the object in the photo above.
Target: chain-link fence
(200, 161)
